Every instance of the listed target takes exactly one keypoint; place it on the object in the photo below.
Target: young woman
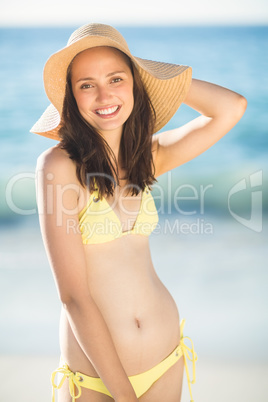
(120, 335)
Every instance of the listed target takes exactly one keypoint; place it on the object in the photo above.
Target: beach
(210, 248)
(29, 377)
(226, 315)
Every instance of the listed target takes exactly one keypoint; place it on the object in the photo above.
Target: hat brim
(166, 84)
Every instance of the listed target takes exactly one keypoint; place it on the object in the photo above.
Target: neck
(113, 139)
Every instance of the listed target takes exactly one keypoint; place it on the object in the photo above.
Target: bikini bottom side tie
(140, 382)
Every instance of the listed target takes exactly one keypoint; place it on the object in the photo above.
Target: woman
(120, 336)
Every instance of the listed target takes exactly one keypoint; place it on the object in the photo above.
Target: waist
(133, 301)
(143, 332)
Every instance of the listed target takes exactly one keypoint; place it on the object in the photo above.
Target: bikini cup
(99, 223)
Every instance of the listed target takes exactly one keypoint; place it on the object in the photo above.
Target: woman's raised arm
(57, 198)
(220, 110)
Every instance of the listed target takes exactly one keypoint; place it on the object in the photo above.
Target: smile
(107, 112)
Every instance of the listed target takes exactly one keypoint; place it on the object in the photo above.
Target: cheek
(131, 104)
(81, 101)
(128, 95)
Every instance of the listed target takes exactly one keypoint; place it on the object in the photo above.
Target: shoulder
(54, 157)
(56, 180)
(56, 161)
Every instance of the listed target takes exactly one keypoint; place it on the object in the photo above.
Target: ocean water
(212, 253)
(229, 56)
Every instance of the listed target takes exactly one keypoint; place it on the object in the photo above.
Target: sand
(27, 379)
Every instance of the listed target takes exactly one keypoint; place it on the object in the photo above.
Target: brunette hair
(92, 154)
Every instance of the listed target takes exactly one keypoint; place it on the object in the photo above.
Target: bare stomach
(140, 313)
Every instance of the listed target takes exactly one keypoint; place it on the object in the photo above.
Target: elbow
(243, 103)
(70, 298)
(240, 107)
(66, 299)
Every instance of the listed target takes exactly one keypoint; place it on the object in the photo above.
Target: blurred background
(211, 245)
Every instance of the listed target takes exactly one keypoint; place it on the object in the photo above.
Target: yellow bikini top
(99, 223)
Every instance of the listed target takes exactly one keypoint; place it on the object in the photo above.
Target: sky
(138, 12)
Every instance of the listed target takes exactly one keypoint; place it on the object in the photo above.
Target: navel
(137, 323)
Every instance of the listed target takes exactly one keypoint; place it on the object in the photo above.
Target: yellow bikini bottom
(140, 382)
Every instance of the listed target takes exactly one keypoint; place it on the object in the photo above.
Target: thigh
(168, 387)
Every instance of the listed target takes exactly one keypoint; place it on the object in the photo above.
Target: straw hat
(166, 84)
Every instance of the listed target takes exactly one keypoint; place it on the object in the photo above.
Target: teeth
(109, 110)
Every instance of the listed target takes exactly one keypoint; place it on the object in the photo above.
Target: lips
(108, 111)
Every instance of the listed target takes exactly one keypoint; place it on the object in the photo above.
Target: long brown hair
(92, 154)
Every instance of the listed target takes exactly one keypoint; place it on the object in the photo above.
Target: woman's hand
(220, 110)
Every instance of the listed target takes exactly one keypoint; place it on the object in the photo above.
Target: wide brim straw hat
(166, 84)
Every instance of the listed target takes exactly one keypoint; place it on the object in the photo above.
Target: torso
(139, 311)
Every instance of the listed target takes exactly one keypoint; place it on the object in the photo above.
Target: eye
(116, 80)
(86, 86)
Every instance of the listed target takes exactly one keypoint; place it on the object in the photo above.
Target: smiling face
(102, 85)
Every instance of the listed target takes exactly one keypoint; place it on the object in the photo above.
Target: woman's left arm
(220, 110)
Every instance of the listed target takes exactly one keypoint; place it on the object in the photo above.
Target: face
(102, 85)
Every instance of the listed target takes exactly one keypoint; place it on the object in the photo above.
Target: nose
(103, 94)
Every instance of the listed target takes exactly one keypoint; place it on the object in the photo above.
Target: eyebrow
(108, 75)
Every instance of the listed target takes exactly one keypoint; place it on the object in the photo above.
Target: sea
(210, 248)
